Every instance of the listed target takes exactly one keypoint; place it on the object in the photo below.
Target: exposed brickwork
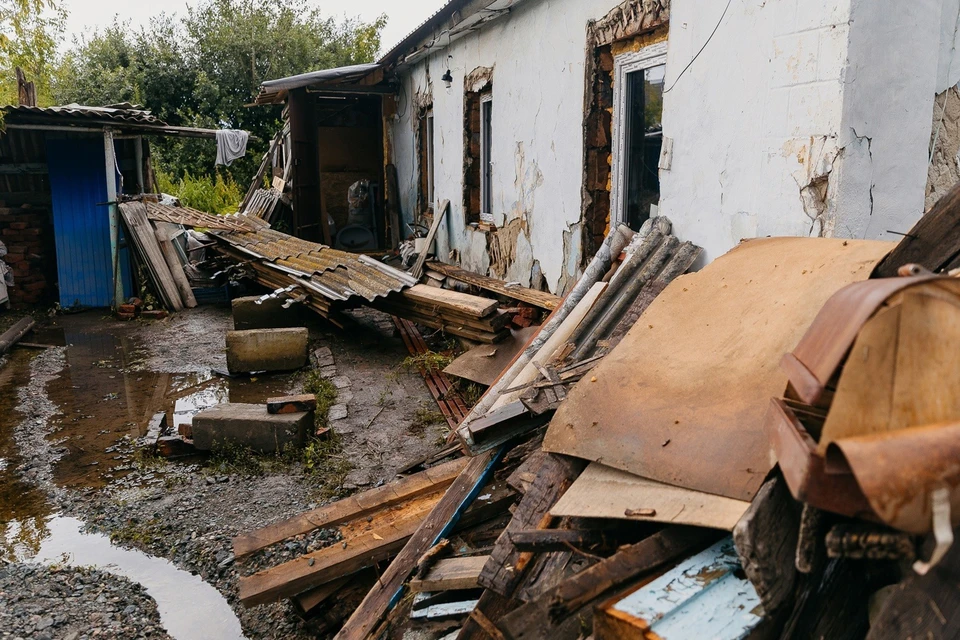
(28, 235)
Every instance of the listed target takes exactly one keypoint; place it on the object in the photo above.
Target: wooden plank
(141, 231)
(540, 299)
(474, 306)
(537, 619)
(605, 492)
(176, 269)
(357, 506)
(766, 542)
(717, 601)
(13, 335)
(504, 570)
(484, 363)
(934, 242)
(383, 596)
(364, 544)
(451, 574)
(438, 217)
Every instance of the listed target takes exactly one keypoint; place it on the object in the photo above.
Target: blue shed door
(81, 227)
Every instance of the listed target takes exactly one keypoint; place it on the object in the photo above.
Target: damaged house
(544, 123)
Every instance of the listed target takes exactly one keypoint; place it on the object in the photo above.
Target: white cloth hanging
(231, 144)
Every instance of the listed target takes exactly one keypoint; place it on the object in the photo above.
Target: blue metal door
(81, 222)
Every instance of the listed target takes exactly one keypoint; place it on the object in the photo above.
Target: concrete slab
(266, 350)
(337, 412)
(250, 425)
(247, 314)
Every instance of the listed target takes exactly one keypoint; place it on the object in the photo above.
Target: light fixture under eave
(447, 79)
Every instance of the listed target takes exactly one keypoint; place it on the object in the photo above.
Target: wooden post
(110, 156)
(138, 158)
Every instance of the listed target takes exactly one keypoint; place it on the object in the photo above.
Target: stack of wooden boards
(459, 314)
(154, 250)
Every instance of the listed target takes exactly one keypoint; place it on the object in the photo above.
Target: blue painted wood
(703, 597)
(81, 228)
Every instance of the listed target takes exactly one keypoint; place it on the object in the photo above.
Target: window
(486, 165)
(431, 198)
(425, 153)
(637, 134)
(477, 155)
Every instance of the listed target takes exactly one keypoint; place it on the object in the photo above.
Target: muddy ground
(70, 416)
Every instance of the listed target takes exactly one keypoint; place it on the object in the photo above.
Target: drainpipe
(110, 156)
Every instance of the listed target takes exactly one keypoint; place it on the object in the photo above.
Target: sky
(403, 15)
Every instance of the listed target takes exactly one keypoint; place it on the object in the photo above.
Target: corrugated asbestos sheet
(117, 113)
(81, 228)
(335, 276)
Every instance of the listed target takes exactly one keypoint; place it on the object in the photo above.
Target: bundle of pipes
(608, 299)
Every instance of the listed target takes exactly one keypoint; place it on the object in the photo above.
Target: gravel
(43, 603)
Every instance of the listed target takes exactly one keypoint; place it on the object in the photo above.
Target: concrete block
(328, 371)
(266, 350)
(250, 425)
(341, 382)
(247, 314)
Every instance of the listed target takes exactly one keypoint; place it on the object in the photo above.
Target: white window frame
(624, 64)
(429, 126)
(486, 158)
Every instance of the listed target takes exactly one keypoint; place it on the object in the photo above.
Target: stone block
(250, 425)
(337, 412)
(266, 350)
(247, 314)
(340, 382)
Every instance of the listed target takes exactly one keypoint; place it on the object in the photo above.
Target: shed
(62, 169)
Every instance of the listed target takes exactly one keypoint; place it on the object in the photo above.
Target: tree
(204, 69)
(29, 33)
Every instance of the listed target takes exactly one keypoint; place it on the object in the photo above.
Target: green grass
(216, 195)
(430, 361)
(326, 394)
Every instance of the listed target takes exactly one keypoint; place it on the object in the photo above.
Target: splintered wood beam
(364, 544)
(934, 242)
(450, 574)
(533, 297)
(557, 605)
(357, 506)
(387, 591)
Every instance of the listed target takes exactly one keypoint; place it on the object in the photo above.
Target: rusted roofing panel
(336, 275)
(118, 113)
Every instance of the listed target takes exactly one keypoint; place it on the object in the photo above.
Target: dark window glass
(644, 138)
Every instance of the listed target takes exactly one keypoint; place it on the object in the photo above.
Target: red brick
(31, 232)
(11, 233)
(14, 258)
(35, 286)
(124, 316)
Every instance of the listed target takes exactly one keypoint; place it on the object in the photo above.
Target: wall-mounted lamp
(447, 77)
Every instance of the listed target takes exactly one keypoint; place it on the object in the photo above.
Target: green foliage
(213, 194)
(425, 417)
(429, 361)
(204, 68)
(29, 33)
(326, 394)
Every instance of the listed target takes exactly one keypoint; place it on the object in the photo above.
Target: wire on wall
(712, 33)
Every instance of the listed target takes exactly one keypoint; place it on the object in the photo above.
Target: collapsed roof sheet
(124, 113)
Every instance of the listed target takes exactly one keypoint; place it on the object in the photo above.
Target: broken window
(477, 159)
(638, 134)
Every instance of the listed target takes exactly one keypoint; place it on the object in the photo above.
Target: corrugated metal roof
(116, 113)
(336, 275)
(272, 91)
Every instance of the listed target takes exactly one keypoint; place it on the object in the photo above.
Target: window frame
(635, 61)
(429, 126)
(486, 156)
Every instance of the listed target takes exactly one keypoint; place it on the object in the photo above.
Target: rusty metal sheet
(898, 471)
(484, 364)
(682, 398)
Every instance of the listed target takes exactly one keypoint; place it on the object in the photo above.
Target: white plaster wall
(538, 55)
(754, 119)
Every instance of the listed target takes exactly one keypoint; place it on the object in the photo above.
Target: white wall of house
(800, 117)
(538, 55)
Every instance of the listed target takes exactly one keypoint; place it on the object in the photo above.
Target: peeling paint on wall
(944, 170)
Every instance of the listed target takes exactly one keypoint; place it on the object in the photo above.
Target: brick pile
(28, 235)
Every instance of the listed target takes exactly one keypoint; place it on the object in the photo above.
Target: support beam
(110, 166)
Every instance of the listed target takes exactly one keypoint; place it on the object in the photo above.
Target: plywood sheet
(603, 492)
(681, 399)
(483, 364)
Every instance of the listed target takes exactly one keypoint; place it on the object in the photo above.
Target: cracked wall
(537, 153)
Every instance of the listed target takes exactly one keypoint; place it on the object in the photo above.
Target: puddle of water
(103, 394)
(23, 508)
(190, 609)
